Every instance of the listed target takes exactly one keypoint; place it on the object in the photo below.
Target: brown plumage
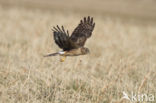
(73, 45)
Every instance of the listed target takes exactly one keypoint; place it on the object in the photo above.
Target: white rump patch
(61, 52)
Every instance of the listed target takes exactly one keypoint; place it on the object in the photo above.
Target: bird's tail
(53, 54)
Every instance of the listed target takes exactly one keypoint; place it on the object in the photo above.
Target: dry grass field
(122, 58)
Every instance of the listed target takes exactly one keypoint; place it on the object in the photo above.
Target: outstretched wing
(62, 38)
(83, 31)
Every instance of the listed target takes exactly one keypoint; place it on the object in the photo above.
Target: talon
(63, 59)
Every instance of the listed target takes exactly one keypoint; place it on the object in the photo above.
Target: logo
(135, 97)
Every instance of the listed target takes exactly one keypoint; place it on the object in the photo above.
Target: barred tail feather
(53, 54)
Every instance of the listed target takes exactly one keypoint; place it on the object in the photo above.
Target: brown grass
(123, 55)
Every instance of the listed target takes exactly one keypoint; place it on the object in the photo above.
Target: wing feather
(83, 31)
(62, 39)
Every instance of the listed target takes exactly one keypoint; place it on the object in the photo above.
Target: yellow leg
(62, 58)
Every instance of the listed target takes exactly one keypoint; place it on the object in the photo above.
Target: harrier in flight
(73, 45)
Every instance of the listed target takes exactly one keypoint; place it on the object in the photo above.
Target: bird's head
(85, 50)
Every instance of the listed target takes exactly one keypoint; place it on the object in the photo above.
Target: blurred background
(142, 9)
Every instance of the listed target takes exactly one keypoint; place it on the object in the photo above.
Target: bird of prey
(73, 45)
